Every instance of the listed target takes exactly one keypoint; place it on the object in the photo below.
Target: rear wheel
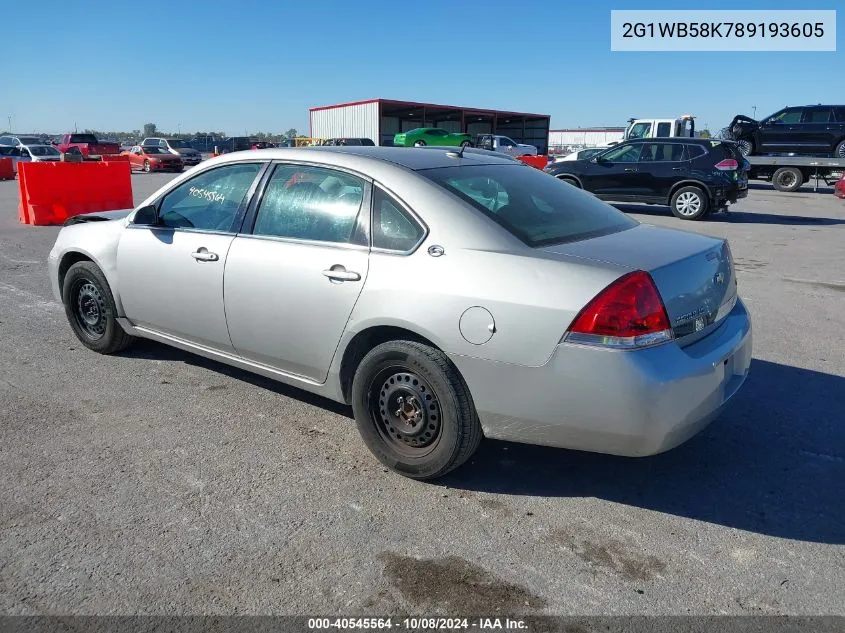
(746, 147)
(413, 410)
(147, 166)
(90, 309)
(689, 203)
(840, 150)
(569, 181)
(787, 179)
(419, 144)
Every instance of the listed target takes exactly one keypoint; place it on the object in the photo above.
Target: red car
(839, 187)
(153, 159)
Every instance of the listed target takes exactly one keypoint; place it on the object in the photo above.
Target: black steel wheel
(787, 179)
(413, 409)
(90, 309)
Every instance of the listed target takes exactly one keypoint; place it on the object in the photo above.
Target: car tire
(570, 181)
(434, 428)
(689, 203)
(147, 167)
(746, 147)
(419, 143)
(787, 179)
(90, 309)
(839, 152)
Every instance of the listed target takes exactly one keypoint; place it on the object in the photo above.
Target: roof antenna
(454, 154)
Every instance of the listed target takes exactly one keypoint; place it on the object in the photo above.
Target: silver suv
(190, 156)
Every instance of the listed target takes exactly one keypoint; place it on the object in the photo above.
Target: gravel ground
(157, 482)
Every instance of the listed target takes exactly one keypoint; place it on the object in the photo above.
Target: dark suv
(817, 130)
(691, 175)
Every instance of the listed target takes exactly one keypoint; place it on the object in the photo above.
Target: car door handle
(202, 255)
(341, 274)
(630, 169)
(677, 169)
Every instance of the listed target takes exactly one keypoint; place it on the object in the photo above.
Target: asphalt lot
(157, 482)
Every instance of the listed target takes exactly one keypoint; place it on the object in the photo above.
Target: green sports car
(430, 136)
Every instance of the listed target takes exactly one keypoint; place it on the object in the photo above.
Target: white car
(505, 145)
(40, 153)
(581, 154)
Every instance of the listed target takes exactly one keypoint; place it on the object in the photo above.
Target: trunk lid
(693, 273)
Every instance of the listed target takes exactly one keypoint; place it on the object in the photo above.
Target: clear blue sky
(257, 65)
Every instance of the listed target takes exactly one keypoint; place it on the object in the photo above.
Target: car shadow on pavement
(735, 217)
(774, 463)
(152, 350)
(806, 188)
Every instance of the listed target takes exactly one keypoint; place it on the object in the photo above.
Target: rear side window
(721, 151)
(664, 129)
(310, 203)
(662, 152)
(393, 228)
(368, 142)
(839, 113)
(816, 115)
(535, 208)
(694, 151)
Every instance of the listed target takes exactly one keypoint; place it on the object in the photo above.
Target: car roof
(674, 139)
(409, 157)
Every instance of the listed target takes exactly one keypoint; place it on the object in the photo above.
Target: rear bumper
(624, 403)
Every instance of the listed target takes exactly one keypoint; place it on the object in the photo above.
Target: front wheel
(419, 144)
(569, 181)
(746, 147)
(689, 203)
(90, 309)
(413, 410)
(839, 152)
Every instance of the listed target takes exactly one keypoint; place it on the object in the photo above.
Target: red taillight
(729, 164)
(628, 313)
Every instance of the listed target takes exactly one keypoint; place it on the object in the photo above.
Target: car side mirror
(146, 216)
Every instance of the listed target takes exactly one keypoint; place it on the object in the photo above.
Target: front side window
(536, 209)
(210, 201)
(392, 227)
(623, 154)
(786, 116)
(310, 203)
(436, 132)
(640, 130)
(506, 142)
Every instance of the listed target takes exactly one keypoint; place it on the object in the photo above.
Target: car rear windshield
(29, 140)
(538, 209)
(83, 138)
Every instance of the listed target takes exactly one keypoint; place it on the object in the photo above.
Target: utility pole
(754, 111)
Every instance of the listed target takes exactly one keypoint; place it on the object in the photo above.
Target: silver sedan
(445, 295)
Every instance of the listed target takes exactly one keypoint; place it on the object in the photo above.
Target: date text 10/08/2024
(417, 623)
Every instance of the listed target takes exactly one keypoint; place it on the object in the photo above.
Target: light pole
(754, 111)
(178, 129)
